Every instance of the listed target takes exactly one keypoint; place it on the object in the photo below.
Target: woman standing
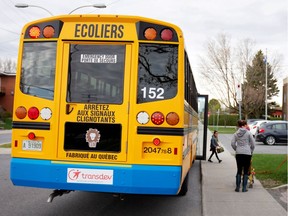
(213, 145)
(243, 143)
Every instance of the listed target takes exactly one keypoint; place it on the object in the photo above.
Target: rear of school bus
(99, 106)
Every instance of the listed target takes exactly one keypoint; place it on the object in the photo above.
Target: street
(5, 136)
(15, 201)
(260, 148)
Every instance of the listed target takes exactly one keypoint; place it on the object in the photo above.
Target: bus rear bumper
(133, 179)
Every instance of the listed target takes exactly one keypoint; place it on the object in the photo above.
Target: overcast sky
(263, 21)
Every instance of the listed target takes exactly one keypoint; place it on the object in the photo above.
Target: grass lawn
(271, 169)
(222, 130)
(8, 145)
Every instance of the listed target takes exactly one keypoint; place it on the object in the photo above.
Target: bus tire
(184, 186)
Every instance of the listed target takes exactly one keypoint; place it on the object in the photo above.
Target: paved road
(260, 148)
(5, 136)
(15, 201)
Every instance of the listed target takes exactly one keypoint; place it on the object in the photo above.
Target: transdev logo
(90, 176)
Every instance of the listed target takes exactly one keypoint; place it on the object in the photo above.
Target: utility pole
(266, 84)
(239, 98)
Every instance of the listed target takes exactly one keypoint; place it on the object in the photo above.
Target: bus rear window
(157, 72)
(96, 74)
(38, 69)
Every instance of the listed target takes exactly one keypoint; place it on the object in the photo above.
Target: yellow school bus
(104, 103)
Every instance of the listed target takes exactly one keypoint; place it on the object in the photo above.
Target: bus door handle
(68, 109)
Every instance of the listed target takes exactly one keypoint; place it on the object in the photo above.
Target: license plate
(32, 145)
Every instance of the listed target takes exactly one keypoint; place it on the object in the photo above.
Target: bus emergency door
(94, 102)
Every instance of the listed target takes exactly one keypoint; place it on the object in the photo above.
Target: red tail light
(33, 113)
(157, 118)
(261, 130)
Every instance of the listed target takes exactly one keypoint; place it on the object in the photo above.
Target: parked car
(255, 126)
(273, 132)
(251, 121)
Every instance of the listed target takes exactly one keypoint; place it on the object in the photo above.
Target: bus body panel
(68, 144)
(136, 179)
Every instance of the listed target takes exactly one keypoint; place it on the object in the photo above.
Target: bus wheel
(184, 187)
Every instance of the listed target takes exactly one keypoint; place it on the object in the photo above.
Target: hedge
(223, 120)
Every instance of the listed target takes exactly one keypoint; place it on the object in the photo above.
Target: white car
(254, 127)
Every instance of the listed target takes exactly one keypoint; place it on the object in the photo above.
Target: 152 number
(153, 93)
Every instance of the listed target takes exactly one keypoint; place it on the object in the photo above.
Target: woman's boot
(238, 182)
(245, 180)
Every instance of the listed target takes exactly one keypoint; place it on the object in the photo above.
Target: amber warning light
(44, 30)
(48, 31)
(34, 32)
(164, 34)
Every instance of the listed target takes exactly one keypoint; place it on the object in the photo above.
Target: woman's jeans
(243, 163)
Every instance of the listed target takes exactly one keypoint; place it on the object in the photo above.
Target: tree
(214, 105)
(254, 86)
(8, 66)
(224, 67)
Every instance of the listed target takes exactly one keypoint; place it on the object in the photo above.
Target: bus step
(57, 193)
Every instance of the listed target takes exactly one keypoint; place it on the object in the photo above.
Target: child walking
(213, 145)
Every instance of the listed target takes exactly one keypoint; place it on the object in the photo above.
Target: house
(277, 112)
(7, 84)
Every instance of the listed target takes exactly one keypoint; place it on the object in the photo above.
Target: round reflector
(45, 113)
(21, 112)
(48, 31)
(156, 141)
(172, 118)
(33, 113)
(157, 118)
(150, 34)
(31, 135)
(167, 34)
(34, 32)
(142, 117)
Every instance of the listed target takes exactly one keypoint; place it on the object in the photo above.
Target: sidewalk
(219, 197)
(5, 150)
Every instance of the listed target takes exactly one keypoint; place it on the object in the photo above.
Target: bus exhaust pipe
(120, 196)
(57, 193)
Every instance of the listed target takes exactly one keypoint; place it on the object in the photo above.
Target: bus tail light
(157, 118)
(33, 113)
(156, 141)
(31, 135)
(172, 118)
(21, 112)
